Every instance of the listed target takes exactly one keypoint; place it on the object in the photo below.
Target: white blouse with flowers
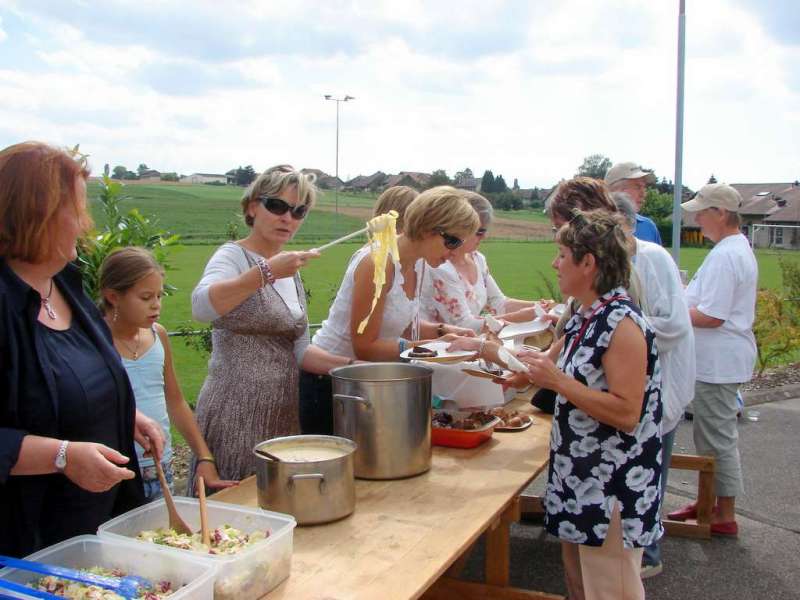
(446, 297)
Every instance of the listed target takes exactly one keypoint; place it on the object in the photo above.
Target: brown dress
(251, 391)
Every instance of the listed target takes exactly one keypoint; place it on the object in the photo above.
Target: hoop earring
(115, 316)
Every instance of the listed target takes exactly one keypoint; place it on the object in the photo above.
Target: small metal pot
(313, 492)
(386, 409)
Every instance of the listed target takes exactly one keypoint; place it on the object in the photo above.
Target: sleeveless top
(398, 311)
(593, 466)
(147, 380)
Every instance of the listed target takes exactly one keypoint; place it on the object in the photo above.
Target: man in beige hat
(721, 298)
(631, 179)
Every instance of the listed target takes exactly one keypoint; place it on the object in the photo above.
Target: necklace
(135, 349)
(46, 303)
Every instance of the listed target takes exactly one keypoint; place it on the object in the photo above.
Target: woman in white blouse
(462, 289)
(253, 296)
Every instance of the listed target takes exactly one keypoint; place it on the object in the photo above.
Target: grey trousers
(716, 433)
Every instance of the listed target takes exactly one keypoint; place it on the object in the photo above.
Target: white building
(204, 178)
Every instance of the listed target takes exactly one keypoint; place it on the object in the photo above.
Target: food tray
(247, 575)
(462, 438)
(151, 562)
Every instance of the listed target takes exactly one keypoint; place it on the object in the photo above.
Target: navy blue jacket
(29, 403)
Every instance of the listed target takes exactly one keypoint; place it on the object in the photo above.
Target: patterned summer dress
(593, 465)
(251, 391)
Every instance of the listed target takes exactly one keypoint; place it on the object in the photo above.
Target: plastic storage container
(191, 578)
(247, 575)
(462, 438)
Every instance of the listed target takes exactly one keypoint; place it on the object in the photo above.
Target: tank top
(147, 380)
(398, 311)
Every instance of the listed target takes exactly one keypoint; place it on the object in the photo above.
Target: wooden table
(404, 534)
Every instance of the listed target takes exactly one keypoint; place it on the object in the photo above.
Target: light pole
(338, 101)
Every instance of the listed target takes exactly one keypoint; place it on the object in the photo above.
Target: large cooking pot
(386, 409)
(313, 481)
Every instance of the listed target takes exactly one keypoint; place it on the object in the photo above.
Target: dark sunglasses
(451, 242)
(481, 231)
(279, 207)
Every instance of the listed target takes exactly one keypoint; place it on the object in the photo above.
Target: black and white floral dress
(593, 465)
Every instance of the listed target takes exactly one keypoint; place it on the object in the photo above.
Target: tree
(500, 185)
(506, 201)
(141, 169)
(595, 165)
(712, 179)
(439, 177)
(516, 184)
(462, 175)
(487, 182)
(245, 176)
(657, 206)
(119, 172)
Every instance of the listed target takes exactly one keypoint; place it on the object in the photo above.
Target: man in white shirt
(722, 300)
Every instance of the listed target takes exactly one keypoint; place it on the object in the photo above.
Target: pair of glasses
(279, 207)
(451, 242)
(481, 231)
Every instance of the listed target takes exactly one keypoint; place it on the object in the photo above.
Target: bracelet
(266, 272)
(206, 459)
(440, 330)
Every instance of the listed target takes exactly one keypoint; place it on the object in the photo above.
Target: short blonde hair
(396, 198)
(36, 180)
(601, 234)
(441, 208)
(276, 179)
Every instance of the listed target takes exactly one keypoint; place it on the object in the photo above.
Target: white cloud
(526, 91)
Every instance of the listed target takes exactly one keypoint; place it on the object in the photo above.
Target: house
(364, 183)
(150, 175)
(413, 179)
(325, 181)
(472, 184)
(230, 177)
(205, 178)
(770, 215)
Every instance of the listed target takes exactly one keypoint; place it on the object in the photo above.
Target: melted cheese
(382, 232)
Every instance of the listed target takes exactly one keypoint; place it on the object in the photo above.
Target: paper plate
(514, 330)
(442, 355)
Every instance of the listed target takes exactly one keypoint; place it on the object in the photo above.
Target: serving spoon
(175, 521)
(266, 454)
(201, 494)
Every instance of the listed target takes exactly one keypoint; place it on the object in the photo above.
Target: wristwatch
(61, 457)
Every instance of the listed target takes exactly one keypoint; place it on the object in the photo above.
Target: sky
(526, 89)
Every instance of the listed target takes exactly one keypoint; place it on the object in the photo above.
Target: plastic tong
(127, 587)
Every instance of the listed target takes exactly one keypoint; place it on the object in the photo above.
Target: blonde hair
(36, 180)
(601, 234)
(123, 269)
(441, 208)
(276, 179)
(396, 198)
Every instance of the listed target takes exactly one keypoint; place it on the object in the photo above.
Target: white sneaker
(650, 570)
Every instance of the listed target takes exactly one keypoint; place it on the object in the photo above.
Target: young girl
(131, 286)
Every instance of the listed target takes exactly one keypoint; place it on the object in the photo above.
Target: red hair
(36, 180)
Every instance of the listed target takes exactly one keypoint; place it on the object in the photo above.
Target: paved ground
(762, 563)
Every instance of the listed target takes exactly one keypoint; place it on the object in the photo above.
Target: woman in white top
(253, 296)
(462, 289)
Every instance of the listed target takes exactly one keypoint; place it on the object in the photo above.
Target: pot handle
(320, 476)
(342, 397)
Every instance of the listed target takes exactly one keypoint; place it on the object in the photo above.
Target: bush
(777, 325)
(120, 230)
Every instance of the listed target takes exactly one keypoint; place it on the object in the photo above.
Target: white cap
(627, 170)
(715, 195)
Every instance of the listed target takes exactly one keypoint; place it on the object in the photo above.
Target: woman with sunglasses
(252, 294)
(436, 224)
(462, 289)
